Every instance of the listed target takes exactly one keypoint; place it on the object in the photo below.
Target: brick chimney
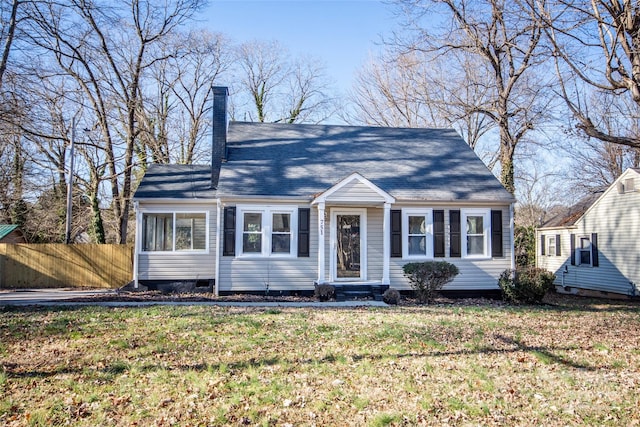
(219, 139)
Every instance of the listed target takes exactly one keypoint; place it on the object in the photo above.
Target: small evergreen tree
(525, 246)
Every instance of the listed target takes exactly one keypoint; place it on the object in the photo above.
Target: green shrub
(325, 292)
(427, 278)
(525, 285)
(391, 296)
(525, 246)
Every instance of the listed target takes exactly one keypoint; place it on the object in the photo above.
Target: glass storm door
(348, 260)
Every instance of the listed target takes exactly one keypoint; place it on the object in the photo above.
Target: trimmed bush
(525, 285)
(325, 292)
(427, 278)
(391, 296)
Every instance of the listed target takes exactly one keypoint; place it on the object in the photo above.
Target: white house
(287, 206)
(595, 247)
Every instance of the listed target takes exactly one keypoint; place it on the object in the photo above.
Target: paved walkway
(61, 297)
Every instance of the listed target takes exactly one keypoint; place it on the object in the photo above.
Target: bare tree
(502, 39)
(596, 45)
(280, 88)
(177, 111)
(107, 48)
(7, 32)
(596, 164)
(538, 192)
(416, 89)
(392, 92)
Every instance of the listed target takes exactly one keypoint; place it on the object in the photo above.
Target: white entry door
(348, 243)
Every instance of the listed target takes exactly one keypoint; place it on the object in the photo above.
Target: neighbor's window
(178, 231)
(475, 229)
(551, 246)
(417, 228)
(584, 251)
(267, 231)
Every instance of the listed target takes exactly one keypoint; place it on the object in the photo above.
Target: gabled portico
(345, 205)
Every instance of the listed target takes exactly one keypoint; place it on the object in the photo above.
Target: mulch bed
(552, 299)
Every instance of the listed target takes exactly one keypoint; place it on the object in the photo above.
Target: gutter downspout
(512, 236)
(136, 243)
(217, 273)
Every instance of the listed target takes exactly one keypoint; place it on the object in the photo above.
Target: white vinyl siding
(180, 265)
(475, 274)
(273, 273)
(353, 192)
(615, 217)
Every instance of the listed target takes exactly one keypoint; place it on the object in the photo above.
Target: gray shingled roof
(304, 160)
(176, 182)
(267, 159)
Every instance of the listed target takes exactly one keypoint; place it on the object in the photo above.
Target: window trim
(173, 213)
(428, 214)
(580, 249)
(551, 238)
(266, 230)
(486, 231)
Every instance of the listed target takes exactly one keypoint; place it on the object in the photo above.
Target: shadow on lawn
(547, 355)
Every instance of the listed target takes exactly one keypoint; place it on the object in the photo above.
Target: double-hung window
(417, 226)
(252, 232)
(267, 231)
(174, 231)
(476, 225)
(584, 250)
(551, 249)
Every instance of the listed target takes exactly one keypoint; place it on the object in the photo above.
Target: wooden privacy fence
(62, 266)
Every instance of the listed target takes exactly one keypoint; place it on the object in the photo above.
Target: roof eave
(174, 200)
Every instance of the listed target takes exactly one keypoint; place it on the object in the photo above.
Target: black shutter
(304, 226)
(396, 233)
(594, 250)
(455, 251)
(558, 251)
(542, 248)
(229, 224)
(573, 249)
(438, 233)
(496, 234)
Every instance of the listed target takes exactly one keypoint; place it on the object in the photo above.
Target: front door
(348, 237)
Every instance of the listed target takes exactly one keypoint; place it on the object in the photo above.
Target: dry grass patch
(569, 364)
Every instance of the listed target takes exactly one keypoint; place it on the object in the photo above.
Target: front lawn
(570, 364)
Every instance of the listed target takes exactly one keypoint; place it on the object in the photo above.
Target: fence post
(3, 251)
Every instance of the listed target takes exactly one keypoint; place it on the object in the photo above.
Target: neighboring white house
(595, 247)
(285, 206)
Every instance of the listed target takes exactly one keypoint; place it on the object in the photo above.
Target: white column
(321, 230)
(216, 277)
(512, 236)
(137, 245)
(386, 243)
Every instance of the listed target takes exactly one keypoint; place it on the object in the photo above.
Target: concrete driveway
(43, 296)
(61, 296)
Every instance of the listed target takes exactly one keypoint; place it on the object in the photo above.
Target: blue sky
(340, 33)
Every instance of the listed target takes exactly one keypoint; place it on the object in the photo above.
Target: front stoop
(349, 292)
